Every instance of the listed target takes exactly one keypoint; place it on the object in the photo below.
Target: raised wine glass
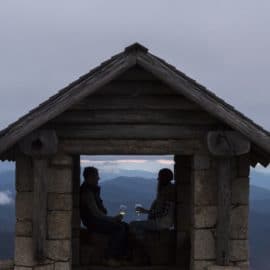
(138, 212)
(122, 210)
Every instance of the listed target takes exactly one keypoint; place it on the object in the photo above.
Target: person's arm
(94, 210)
(89, 200)
(143, 210)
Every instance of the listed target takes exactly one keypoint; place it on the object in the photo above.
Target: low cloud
(115, 164)
(5, 198)
(165, 161)
(261, 169)
(112, 162)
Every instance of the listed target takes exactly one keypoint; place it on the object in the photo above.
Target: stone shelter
(135, 103)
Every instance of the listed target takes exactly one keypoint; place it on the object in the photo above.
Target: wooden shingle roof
(133, 55)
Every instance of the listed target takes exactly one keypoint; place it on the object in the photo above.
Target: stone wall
(59, 213)
(204, 212)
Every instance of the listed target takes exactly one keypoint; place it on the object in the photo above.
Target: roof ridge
(136, 47)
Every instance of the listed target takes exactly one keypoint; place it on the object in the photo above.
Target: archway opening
(128, 181)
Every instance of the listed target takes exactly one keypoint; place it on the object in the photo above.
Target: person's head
(165, 176)
(91, 176)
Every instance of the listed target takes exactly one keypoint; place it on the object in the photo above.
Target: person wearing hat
(94, 217)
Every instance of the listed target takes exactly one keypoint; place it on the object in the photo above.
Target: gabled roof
(133, 55)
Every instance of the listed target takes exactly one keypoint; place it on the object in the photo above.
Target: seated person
(94, 216)
(161, 214)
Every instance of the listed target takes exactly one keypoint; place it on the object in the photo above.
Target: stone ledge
(217, 267)
(6, 264)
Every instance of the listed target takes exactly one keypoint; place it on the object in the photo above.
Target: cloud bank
(5, 198)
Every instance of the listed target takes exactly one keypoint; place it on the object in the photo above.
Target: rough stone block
(75, 251)
(44, 267)
(201, 162)
(75, 232)
(182, 169)
(60, 202)
(243, 166)
(217, 267)
(60, 180)
(243, 265)
(240, 190)
(58, 250)
(24, 174)
(22, 268)
(60, 159)
(59, 225)
(24, 228)
(76, 220)
(239, 250)
(205, 187)
(183, 161)
(24, 205)
(239, 222)
(62, 266)
(24, 251)
(203, 245)
(6, 264)
(182, 249)
(182, 238)
(183, 217)
(184, 193)
(205, 216)
(201, 265)
(76, 200)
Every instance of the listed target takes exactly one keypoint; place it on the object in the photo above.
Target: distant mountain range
(130, 187)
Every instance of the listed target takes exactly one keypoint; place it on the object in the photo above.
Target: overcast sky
(45, 45)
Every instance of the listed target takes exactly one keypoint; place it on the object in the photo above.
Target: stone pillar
(182, 176)
(59, 211)
(204, 214)
(76, 223)
(203, 211)
(24, 256)
(239, 214)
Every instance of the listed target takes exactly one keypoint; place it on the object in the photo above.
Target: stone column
(76, 222)
(204, 211)
(239, 214)
(231, 152)
(182, 176)
(59, 210)
(60, 186)
(24, 256)
(239, 251)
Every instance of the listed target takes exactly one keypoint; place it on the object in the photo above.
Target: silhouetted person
(161, 213)
(94, 216)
